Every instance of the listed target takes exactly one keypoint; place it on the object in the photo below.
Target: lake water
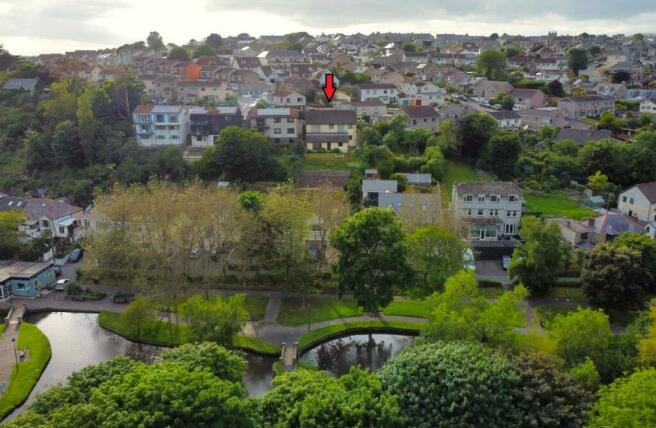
(78, 341)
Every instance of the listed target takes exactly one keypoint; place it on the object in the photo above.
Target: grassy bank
(327, 161)
(408, 308)
(456, 172)
(314, 337)
(256, 306)
(29, 371)
(293, 313)
(162, 333)
(556, 205)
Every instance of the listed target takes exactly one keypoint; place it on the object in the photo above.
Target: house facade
(49, 218)
(639, 201)
(161, 125)
(648, 106)
(536, 118)
(279, 125)
(590, 105)
(192, 91)
(330, 129)
(207, 123)
(487, 211)
(421, 117)
(282, 98)
(385, 92)
(507, 119)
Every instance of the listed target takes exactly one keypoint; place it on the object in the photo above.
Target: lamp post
(13, 342)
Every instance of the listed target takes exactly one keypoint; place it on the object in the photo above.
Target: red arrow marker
(329, 88)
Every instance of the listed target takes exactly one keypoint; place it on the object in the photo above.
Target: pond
(78, 341)
(366, 350)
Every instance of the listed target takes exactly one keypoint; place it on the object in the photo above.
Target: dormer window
(512, 198)
(481, 198)
(469, 198)
(494, 198)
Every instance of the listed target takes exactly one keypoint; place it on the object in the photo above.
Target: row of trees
(438, 384)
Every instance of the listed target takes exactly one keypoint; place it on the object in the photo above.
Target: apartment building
(487, 211)
(279, 125)
(161, 125)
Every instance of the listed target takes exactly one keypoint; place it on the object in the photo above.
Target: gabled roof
(419, 112)
(15, 84)
(330, 116)
(501, 188)
(379, 186)
(649, 190)
(36, 208)
(504, 115)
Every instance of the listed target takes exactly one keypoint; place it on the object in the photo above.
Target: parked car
(505, 262)
(75, 255)
(61, 284)
(468, 261)
(122, 297)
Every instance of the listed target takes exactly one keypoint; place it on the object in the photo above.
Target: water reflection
(366, 350)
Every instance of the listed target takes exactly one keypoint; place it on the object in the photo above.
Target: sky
(29, 27)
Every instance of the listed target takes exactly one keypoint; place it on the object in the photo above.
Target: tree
(435, 254)
(556, 88)
(647, 249)
(598, 182)
(614, 277)
(611, 122)
(505, 101)
(86, 125)
(639, 37)
(10, 237)
(582, 334)
(453, 384)
(214, 40)
(154, 41)
(217, 320)
(549, 397)
(313, 398)
(462, 312)
(621, 76)
(240, 154)
(372, 257)
(448, 138)
(586, 375)
(577, 60)
(500, 155)
(203, 50)
(218, 360)
(537, 258)
(491, 63)
(476, 130)
(330, 207)
(594, 50)
(139, 316)
(179, 53)
(288, 213)
(647, 344)
(7, 60)
(627, 402)
(435, 163)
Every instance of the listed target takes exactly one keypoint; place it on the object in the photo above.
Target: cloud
(327, 14)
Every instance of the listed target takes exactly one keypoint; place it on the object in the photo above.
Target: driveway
(491, 270)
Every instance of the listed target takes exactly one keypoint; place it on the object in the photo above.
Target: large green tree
(372, 257)
(462, 312)
(491, 63)
(577, 60)
(453, 384)
(500, 155)
(476, 131)
(217, 320)
(154, 41)
(435, 254)
(313, 398)
(223, 363)
(614, 277)
(537, 258)
(647, 249)
(627, 403)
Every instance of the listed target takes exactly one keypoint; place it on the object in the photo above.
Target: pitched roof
(419, 112)
(376, 86)
(502, 188)
(379, 186)
(35, 208)
(504, 114)
(14, 84)
(330, 116)
(649, 190)
(583, 136)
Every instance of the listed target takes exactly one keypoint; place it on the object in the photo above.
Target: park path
(7, 357)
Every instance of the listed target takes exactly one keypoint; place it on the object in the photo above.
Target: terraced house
(330, 129)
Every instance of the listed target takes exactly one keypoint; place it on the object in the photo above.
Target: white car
(61, 284)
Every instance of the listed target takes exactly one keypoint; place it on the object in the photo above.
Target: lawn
(568, 294)
(321, 309)
(327, 161)
(316, 336)
(455, 172)
(161, 333)
(408, 308)
(548, 313)
(29, 371)
(256, 306)
(556, 205)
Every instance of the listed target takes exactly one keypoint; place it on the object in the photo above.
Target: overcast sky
(46, 26)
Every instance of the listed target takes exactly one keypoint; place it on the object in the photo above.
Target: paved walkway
(7, 357)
